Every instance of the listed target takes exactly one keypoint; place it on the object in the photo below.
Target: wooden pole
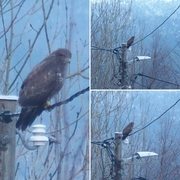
(124, 66)
(7, 138)
(118, 156)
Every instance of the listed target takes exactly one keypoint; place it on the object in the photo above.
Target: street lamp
(136, 59)
(139, 58)
(142, 154)
(139, 155)
(142, 58)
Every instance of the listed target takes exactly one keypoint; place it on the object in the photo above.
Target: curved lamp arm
(26, 145)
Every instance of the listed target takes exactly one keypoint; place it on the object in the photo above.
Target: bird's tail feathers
(27, 117)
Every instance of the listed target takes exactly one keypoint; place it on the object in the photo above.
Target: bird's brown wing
(127, 130)
(38, 85)
(130, 41)
(34, 93)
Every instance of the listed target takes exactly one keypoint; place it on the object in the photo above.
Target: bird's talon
(47, 105)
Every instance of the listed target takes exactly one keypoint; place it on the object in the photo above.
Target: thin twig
(31, 48)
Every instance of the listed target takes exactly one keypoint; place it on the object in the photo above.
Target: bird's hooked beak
(67, 61)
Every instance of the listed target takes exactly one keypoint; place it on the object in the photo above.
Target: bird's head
(64, 55)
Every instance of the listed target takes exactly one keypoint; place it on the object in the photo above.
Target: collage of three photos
(90, 90)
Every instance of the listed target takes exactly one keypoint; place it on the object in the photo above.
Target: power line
(68, 100)
(134, 81)
(7, 115)
(113, 50)
(156, 118)
(172, 50)
(139, 74)
(108, 145)
(103, 49)
(157, 26)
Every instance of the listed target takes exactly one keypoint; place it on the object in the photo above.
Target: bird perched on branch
(130, 41)
(127, 130)
(42, 83)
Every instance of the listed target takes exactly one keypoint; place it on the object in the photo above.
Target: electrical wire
(103, 49)
(68, 100)
(175, 52)
(134, 82)
(156, 118)
(172, 50)
(157, 26)
(7, 115)
(115, 49)
(108, 145)
(139, 74)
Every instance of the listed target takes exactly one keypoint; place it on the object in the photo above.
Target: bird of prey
(127, 130)
(43, 82)
(130, 41)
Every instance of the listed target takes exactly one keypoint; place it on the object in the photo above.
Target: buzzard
(127, 130)
(130, 41)
(43, 82)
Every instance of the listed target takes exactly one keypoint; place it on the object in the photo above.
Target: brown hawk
(43, 82)
(130, 41)
(127, 130)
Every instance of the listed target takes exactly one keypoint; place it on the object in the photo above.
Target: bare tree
(109, 24)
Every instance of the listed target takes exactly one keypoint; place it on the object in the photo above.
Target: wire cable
(133, 81)
(108, 145)
(157, 26)
(156, 118)
(103, 49)
(7, 115)
(139, 74)
(67, 100)
(116, 49)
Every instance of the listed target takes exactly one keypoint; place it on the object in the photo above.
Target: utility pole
(118, 156)
(124, 66)
(7, 138)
